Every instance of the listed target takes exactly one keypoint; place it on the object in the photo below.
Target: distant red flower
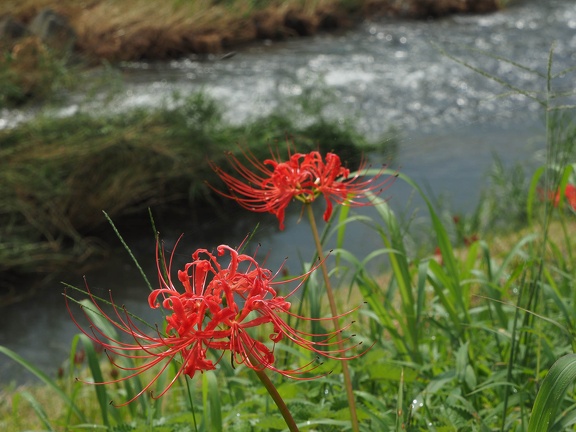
(468, 240)
(551, 196)
(79, 357)
(271, 185)
(437, 256)
(554, 196)
(570, 194)
(216, 312)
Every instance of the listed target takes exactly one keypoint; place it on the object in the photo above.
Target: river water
(449, 119)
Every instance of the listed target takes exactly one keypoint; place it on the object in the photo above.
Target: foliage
(448, 345)
(57, 175)
(471, 337)
(31, 72)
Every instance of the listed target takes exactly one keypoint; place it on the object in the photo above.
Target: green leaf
(391, 372)
(211, 398)
(400, 425)
(271, 422)
(44, 378)
(461, 362)
(38, 409)
(560, 376)
(94, 365)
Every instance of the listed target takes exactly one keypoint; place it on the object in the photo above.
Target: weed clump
(58, 175)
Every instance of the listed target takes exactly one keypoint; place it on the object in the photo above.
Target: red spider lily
(271, 185)
(551, 196)
(570, 194)
(554, 196)
(468, 240)
(215, 312)
(437, 256)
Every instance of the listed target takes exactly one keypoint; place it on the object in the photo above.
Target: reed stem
(334, 312)
(277, 399)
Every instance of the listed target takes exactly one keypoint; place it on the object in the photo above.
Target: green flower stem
(334, 312)
(277, 399)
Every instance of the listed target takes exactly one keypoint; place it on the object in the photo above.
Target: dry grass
(499, 246)
(556, 236)
(146, 29)
(115, 30)
(138, 29)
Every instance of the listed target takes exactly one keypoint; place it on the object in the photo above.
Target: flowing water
(450, 120)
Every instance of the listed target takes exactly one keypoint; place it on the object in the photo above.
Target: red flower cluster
(275, 183)
(217, 311)
(569, 193)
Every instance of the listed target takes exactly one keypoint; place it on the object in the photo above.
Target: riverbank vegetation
(59, 174)
(463, 339)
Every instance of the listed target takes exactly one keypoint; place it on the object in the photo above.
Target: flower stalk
(270, 186)
(334, 312)
(269, 385)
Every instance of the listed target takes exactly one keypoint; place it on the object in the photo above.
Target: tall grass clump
(58, 174)
(31, 72)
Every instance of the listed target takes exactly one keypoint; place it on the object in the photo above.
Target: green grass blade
(516, 252)
(509, 61)
(567, 419)
(400, 426)
(561, 375)
(44, 378)
(39, 410)
(212, 405)
(341, 228)
(94, 364)
(372, 291)
(533, 192)
(393, 240)
(439, 279)
(502, 82)
(138, 266)
(379, 412)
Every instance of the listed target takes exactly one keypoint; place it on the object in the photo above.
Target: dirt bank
(156, 29)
